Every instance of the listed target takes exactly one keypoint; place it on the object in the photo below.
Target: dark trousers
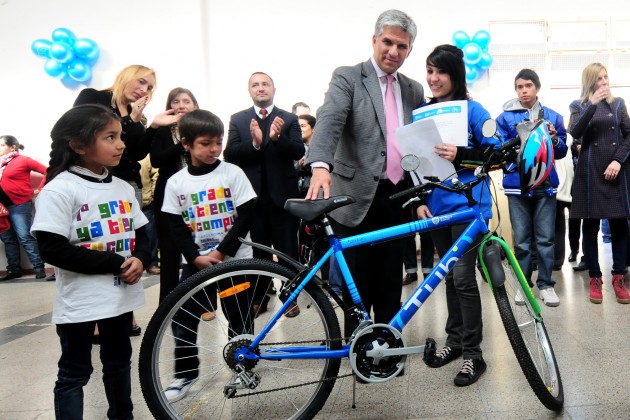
(376, 269)
(561, 232)
(272, 226)
(427, 251)
(149, 212)
(170, 257)
(464, 326)
(236, 308)
(618, 239)
(75, 366)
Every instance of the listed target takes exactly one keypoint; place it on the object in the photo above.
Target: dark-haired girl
(446, 77)
(89, 225)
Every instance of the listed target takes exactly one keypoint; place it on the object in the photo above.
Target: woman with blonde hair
(128, 96)
(600, 184)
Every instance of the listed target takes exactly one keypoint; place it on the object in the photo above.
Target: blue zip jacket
(513, 113)
(439, 201)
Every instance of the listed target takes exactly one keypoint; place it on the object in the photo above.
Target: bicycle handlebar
(496, 156)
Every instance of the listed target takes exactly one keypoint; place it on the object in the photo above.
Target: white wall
(211, 47)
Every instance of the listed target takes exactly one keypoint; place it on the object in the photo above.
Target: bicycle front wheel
(178, 343)
(530, 341)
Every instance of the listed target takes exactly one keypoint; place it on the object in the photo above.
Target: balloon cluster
(476, 56)
(67, 58)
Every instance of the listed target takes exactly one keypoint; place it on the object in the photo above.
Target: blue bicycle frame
(477, 226)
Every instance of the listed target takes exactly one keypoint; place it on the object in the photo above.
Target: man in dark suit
(265, 141)
(348, 156)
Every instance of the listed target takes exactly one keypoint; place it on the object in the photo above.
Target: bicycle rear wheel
(529, 339)
(288, 388)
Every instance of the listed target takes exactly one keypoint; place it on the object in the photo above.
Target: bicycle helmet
(535, 159)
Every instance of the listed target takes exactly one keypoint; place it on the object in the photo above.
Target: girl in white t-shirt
(89, 225)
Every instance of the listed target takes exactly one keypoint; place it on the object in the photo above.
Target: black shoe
(135, 331)
(11, 275)
(557, 267)
(581, 266)
(444, 356)
(572, 257)
(410, 278)
(471, 370)
(40, 273)
(52, 277)
(272, 290)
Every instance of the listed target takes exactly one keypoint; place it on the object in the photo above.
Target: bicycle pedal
(429, 351)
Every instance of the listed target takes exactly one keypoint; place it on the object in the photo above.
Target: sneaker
(410, 278)
(518, 298)
(11, 275)
(40, 273)
(444, 356)
(595, 291)
(619, 284)
(471, 370)
(178, 389)
(549, 296)
(208, 316)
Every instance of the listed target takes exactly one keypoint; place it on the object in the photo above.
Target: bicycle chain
(298, 385)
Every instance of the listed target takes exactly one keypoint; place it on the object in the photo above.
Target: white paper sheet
(451, 119)
(420, 139)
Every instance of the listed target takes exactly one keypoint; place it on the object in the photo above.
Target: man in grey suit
(348, 156)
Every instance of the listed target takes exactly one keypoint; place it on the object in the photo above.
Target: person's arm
(581, 115)
(181, 237)
(239, 148)
(142, 250)
(230, 243)
(560, 137)
(163, 150)
(56, 250)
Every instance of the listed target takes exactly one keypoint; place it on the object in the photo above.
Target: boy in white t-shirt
(215, 201)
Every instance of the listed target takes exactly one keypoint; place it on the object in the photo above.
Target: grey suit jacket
(350, 134)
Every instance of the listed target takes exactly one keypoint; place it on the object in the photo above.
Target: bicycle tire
(529, 339)
(316, 323)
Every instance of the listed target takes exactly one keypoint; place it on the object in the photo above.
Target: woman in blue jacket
(534, 213)
(446, 77)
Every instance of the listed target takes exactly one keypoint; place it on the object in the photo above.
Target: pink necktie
(394, 171)
(263, 114)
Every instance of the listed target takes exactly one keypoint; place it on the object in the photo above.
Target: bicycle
(287, 367)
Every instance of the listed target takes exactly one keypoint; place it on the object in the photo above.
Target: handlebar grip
(510, 144)
(408, 191)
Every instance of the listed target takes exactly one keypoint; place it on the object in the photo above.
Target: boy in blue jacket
(533, 214)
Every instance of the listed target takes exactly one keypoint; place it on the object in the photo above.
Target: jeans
(149, 212)
(75, 366)
(21, 217)
(533, 220)
(464, 325)
(427, 251)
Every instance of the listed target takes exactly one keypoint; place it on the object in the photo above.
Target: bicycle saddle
(309, 210)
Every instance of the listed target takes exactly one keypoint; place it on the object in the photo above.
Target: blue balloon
(472, 53)
(471, 74)
(485, 61)
(482, 38)
(69, 82)
(87, 49)
(63, 35)
(41, 47)
(55, 69)
(79, 70)
(61, 51)
(460, 38)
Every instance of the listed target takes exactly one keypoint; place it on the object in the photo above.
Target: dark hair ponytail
(11, 141)
(80, 124)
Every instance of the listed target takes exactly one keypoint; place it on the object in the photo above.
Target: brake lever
(411, 200)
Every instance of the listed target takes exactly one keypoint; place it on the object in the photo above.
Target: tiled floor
(591, 344)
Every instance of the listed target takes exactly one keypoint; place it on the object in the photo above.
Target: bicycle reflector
(535, 159)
